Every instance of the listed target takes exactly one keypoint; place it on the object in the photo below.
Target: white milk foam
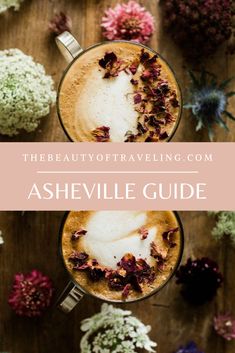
(107, 102)
(112, 234)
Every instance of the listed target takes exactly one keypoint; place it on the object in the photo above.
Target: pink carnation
(224, 325)
(31, 294)
(128, 22)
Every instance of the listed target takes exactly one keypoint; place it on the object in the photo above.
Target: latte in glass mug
(119, 92)
(121, 255)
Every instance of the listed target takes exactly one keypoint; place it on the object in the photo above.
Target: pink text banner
(121, 176)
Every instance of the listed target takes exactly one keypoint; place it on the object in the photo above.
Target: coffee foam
(87, 100)
(107, 102)
(111, 234)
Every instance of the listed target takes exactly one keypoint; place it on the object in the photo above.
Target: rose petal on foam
(168, 236)
(128, 263)
(126, 290)
(101, 134)
(109, 59)
(78, 233)
(143, 231)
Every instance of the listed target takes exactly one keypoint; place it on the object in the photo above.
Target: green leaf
(203, 77)
(229, 115)
(230, 94)
(194, 79)
(200, 125)
(222, 123)
(225, 83)
(210, 133)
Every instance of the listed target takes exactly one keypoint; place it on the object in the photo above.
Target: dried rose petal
(116, 281)
(130, 137)
(136, 284)
(142, 129)
(78, 233)
(134, 82)
(128, 263)
(95, 274)
(164, 135)
(168, 236)
(143, 233)
(137, 98)
(144, 55)
(133, 67)
(126, 290)
(78, 258)
(151, 137)
(174, 101)
(158, 252)
(109, 59)
(101, 134)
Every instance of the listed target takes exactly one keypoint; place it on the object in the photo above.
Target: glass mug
(72, 51)
(74, 292)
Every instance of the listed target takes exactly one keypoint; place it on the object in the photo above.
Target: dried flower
(198, 26)
(114, 330)
(6, 4)
(224, 325)
(101, 134)
(208, 101)
(78, 234)
(31, 294)
(200, 280)
(191, 347)
(143, 231)
(129, 22)
(225, 225)
(60, 23)
(26, 93)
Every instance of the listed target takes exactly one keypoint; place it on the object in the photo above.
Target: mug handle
(68, 46)
(72, 298)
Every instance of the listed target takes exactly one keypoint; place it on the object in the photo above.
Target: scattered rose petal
(101, 134)
(78, 233)
(137, 98)
(126, 290)
(108, 60)
(143, 233)
(169, 235)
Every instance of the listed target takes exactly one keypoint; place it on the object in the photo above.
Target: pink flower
(224, 325)
(31, 294)
(129, 22)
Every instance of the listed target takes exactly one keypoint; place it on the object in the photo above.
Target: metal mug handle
(68, 46)
(72, 298)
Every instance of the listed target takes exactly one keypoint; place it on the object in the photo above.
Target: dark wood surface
(31, 239)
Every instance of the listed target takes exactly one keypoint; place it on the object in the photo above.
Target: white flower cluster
(6, 4)
(115, 331)
(26, 92)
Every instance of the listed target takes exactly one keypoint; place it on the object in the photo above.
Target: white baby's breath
(6, 4)
(115, 331)
(26, 92)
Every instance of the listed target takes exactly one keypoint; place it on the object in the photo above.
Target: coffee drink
(119, 91)
(121, 255)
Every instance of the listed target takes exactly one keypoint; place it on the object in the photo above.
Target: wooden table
(31, 239)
